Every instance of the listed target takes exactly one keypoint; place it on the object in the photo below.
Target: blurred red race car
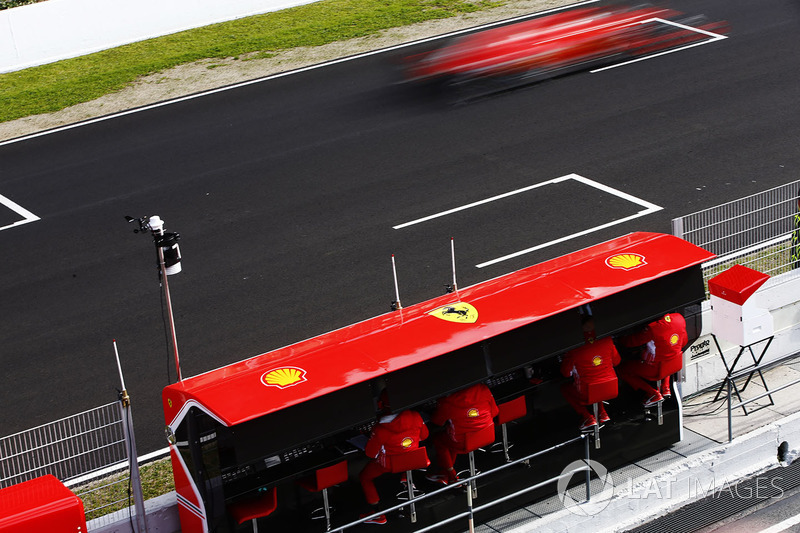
(551, 45)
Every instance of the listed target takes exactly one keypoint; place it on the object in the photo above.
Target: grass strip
(55, 86)
(112, 493)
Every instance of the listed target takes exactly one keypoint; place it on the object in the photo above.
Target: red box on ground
(42, 505)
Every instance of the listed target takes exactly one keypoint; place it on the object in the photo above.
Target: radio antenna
(453, 258)
(396, 303)
(454, 286)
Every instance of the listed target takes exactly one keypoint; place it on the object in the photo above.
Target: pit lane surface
(287, 192)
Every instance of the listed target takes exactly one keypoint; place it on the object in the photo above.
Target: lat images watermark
(663, 487)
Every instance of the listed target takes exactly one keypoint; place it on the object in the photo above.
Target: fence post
(677, 227)
(796, 235)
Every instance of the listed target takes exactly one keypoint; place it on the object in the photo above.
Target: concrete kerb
(660, 492)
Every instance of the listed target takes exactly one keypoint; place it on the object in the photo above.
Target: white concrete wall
(60, 29)
(781, 296)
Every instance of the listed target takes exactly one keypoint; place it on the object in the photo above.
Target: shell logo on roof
(283, 377)
(626, 261)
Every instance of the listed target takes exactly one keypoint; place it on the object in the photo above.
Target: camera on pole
(168, 259)
(168, 242)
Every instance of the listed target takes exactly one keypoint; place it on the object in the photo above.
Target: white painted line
(289, 73)
(782, 526)
(26, 215)
(649, 208)
(714, 37)
(480, 202)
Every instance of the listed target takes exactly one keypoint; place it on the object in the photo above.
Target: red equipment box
(42, 505)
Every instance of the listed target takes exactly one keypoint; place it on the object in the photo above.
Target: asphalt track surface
(286, 194)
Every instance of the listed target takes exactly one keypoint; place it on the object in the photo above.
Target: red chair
(321, 481)
(599, 392)
(510, 411)
(255, 508)
(407, 462)
(472, 442)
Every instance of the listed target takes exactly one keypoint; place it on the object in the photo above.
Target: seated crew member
(465, 411)
(591, 363)
(663, 342)
(393, 434)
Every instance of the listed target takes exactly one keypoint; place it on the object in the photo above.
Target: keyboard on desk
(277, 468)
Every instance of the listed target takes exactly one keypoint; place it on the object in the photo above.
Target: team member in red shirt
(663, 342)
(394, 434)
(591, 363)
(465, 411)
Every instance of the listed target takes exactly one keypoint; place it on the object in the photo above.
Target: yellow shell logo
(284, 377)
(626, 261)
(597, 360)
(673, 339)
(407, 442)
(460, 312)
(472, 413)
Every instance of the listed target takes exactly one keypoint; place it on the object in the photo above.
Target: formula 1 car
(556, 44)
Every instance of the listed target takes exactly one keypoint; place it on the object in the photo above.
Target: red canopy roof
(356, 353)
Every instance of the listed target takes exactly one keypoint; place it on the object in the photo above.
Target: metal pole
(730, 412)
(796, 235)
(588, 470)
(453, 258)
(130, 445)
(396, 287)
(169, 312)
(469, 510)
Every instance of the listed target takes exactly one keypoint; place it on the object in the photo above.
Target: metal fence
(761, 231)
(73, 449)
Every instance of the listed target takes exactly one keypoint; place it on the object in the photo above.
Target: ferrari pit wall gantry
(259, 426)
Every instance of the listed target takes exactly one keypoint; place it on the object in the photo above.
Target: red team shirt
(592, 362)
(668, 337)
(469, 410)
(403, 433)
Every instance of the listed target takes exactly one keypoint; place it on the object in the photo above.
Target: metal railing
(729, 385)
(761, 231)
(73, 449)
(468, 481)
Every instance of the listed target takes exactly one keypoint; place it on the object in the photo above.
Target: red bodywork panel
(250, 389)
(556, 41)
(41, 504)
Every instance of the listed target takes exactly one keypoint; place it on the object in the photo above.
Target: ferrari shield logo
(461, 312)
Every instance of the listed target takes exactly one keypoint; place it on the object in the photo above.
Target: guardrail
(729, 385)
(468, 514)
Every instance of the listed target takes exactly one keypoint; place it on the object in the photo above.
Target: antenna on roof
(454, 286)
(396, 303)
